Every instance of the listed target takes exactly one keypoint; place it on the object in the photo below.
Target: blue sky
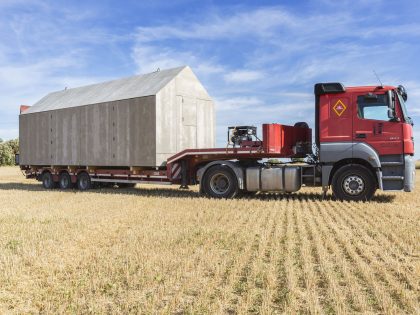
(258, 60)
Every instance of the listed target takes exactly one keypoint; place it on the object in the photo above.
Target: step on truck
(363, 141)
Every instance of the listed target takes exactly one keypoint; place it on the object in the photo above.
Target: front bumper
(409, 173)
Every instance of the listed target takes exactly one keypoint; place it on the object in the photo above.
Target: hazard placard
(339, 108)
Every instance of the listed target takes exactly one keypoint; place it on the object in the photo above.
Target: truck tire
(64, 181)
(48, 181)
(220, 182)
(84, 182)
(353, 182)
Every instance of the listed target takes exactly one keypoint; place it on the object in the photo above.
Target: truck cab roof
(336, 88)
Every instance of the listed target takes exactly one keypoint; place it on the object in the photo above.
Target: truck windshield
(404, 109)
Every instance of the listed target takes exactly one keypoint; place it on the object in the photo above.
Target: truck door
(372, 125)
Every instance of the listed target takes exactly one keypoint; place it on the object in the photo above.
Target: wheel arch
(334, 152)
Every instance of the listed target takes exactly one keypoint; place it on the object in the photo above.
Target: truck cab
(365, 138)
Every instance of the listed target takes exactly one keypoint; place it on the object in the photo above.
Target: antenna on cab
(377, 76)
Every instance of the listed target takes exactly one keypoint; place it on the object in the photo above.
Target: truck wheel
(48, 181)
(84, 182)
(353, 183)
(220, 182)
(65, 181)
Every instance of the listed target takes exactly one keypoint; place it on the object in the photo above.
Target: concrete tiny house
(136, 121)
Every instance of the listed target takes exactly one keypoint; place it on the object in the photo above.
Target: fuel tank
(279, 178)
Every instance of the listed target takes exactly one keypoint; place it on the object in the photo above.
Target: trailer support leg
(184, 180)
(324, 192)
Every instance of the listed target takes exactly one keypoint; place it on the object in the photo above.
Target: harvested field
(161, 250)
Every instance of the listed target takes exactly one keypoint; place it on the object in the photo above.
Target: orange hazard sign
(339, 108)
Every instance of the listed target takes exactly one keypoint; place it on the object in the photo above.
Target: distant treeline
(8, 150)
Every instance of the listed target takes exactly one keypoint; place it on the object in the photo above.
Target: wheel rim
(84, 182)
(47, 181)
(64, 182)
(353, 185)
(219, 183)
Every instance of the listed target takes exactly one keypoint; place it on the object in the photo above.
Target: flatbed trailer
(358, 149)
(184, 169)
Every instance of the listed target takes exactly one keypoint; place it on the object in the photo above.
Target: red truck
(363, 142)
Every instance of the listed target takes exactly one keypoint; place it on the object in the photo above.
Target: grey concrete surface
(129, 128)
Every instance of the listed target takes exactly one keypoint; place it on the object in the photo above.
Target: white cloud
(243, 76)
(237, 103)
(148, 58)
(260, 22)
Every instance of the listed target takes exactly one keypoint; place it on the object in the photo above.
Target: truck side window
(373, 107)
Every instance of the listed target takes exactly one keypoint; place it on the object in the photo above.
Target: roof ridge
(107, 91)
(121, 79)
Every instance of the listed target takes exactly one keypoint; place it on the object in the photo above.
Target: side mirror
(391, 99)
(403, 92)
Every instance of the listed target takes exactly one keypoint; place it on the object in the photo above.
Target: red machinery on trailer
(363, 141)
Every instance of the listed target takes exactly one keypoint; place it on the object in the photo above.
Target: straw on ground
(161, 250)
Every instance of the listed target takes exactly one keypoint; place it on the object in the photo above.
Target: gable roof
(126, 88)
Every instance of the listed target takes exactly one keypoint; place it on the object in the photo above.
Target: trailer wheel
(48, 181)
(83, 181)
(353, 183)
(65, 181)
(220, 182)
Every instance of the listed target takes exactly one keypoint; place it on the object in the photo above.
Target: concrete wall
(65, 137)
(183, 109)
(120, 133)
(196, 102)
(96, 135)
(35, 137)
(206, 133)
(167, 120)
(141, 131)
(134, 129)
